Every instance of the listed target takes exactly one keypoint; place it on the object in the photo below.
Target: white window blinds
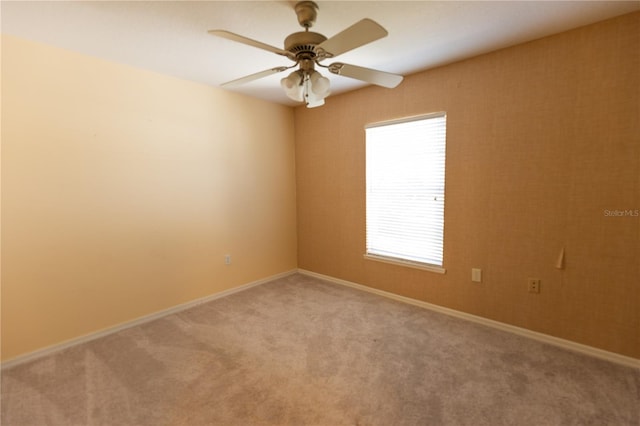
(405, 165)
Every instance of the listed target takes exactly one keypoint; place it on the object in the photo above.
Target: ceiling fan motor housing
(303, 44)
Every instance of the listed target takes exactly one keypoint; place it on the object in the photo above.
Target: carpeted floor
(301, 351)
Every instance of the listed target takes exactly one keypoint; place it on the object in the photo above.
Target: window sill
(407, 263)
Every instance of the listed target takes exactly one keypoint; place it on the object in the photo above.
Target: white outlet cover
(476, 275)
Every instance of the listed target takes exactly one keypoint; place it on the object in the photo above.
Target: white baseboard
(21, 359)
(566, 344)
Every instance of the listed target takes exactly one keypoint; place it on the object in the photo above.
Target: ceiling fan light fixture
(310, 87)
(292, 85)
(314, 94)
(320, 84)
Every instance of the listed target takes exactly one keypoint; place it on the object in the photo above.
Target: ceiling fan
(307, 49)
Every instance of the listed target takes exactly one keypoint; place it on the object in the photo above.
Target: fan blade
(241, 39)
(252, 77)
(380, 78)
(359, 34)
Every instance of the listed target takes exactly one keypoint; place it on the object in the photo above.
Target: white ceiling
(170, 37)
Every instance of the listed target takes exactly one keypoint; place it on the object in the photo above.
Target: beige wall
(122, 190)
(542, 138)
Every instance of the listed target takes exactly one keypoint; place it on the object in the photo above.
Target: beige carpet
(301, 351)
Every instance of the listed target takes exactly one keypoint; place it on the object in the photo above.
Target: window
(405, 191)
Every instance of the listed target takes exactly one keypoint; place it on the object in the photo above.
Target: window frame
(398, 260)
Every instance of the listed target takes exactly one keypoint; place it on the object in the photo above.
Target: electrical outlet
(534, 285)
(227, 259)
